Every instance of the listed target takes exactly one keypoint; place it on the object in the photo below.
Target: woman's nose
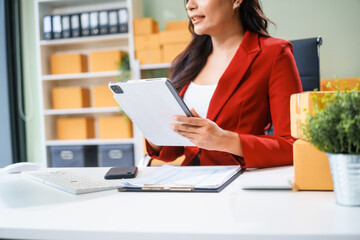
(190, 5)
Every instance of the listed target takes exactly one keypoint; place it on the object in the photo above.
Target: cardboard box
(145, 42)
(149, 56)
(144, 26)
(115, 127)
(171, 51)
(70, 97)
(300, 105)
(175, 36)
(103, 97)
(350, 83)
(75, 128)
(177, 25)
(68, 63)
(312, 170)
(103, 61)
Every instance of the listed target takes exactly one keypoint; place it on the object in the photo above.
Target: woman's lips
(197, 19)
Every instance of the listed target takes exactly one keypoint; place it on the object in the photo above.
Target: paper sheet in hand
(151, 105)
(166, 177)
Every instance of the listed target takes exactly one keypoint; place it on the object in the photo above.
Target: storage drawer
(73, 156)
(121, 155)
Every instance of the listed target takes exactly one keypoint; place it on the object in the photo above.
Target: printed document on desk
(184, 179)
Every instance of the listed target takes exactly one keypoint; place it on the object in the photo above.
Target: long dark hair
(189, 63)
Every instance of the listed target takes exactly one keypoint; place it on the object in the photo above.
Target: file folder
(66, 26)
(56, 26)
(113, 21)
(123, 20)
(47, 27)
(104, 22)
(75, 25)
(183, 179)
(94, 23)
(85, 24)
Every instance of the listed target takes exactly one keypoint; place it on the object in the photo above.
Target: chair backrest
(306, 54)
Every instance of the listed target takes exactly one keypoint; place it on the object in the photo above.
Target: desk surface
(31, 210)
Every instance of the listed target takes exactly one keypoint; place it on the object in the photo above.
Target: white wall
(337, 22)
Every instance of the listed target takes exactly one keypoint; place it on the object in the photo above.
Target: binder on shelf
(94, 23)
(123, 20)
(75, 25)
(182, 179)
(104, 22)
(66, 26)
(85, 24)
(56, 26)
(113, 22)
(47, 27)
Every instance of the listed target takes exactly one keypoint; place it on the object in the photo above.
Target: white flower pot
(345, 172)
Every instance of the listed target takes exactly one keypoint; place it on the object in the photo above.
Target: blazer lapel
(245, 55)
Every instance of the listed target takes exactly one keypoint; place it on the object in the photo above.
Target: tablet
(151, 105)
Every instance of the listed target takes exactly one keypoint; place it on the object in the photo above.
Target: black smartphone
(121, 172)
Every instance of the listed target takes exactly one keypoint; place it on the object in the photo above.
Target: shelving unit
(83, 45)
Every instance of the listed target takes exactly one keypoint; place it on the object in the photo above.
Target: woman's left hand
(203, 132)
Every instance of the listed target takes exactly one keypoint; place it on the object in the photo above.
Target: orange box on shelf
(102, 61)
(177, 25)
(350, 83)
(172, 50)
(68, 63)
(143, 26)
(311, 166)
(115, 127)
(144, 42)
(103, 97)
(70, 97)
(149, 56)
(175, 36)
(75, 128)
(300, 105)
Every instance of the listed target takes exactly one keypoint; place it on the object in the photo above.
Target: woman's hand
(206, 134)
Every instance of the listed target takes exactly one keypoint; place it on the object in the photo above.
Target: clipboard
(151, 105)
(182, 188)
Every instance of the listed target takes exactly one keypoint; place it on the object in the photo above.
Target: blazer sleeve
(275, 150)
(166, 154)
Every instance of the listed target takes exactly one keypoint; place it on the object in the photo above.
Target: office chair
(306, 54)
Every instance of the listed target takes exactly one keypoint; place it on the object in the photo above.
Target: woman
(237, 80)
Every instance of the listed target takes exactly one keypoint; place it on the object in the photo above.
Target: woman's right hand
(155, 147)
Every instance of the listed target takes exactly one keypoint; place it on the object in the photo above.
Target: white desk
(31, 210)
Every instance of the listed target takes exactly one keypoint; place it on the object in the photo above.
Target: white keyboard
(70, 182)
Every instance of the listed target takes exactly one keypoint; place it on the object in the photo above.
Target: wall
(5, 124)
(164, 10)
(336, 21)
(31, 83)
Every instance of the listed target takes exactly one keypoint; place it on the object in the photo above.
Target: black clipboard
(183, 189)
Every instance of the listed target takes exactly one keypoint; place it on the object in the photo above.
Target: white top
(32, 210)
(198, 97)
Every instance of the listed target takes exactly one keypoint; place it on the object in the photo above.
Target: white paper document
(208, 177)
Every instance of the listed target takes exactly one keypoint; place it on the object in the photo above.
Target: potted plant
(335, 129)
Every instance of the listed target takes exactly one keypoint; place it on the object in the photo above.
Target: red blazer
(254, 89)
